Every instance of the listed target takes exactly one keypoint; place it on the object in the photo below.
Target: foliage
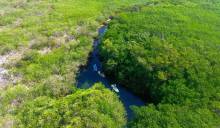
(25, 21)
(168, 51)
(173, 116)
(12, 98)
(160, 51)
(95, 107)
(54, 38)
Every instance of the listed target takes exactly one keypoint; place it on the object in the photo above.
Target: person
(95, 68)
(101, 74)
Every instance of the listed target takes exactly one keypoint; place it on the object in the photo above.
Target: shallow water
(87, 77)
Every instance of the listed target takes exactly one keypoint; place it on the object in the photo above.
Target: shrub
(95, 107)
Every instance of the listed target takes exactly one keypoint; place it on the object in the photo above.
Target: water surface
(87, 77)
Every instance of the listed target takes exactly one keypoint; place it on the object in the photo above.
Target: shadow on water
(87, 77)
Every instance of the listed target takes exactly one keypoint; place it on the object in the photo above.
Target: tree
(173, 116)
(95, 107)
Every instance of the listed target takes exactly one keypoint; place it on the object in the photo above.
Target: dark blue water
(87, 77)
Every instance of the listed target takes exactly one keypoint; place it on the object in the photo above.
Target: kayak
(101, 74)
(114, 87)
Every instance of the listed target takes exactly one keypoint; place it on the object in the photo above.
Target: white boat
(95, 68)
(114, 87)
(101, 74)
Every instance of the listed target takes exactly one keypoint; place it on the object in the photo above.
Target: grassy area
(28, 21)
(63, 28)
(53, 38)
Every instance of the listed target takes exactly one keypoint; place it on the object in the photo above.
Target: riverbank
(88, 76)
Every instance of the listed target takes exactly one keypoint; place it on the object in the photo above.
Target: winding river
(87, 77)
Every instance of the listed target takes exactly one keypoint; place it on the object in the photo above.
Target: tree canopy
(95, 107)
(168, 51)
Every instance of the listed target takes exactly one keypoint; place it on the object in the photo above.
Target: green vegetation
(45, 22)
(95, 107)
(173, 116)
(168, 51)
(50, 40)
(77, 110)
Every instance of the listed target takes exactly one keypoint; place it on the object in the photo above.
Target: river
(87, 77)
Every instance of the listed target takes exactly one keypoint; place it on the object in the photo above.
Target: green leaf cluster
(168, 52)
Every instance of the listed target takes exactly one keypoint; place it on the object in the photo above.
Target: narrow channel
(88, 76)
